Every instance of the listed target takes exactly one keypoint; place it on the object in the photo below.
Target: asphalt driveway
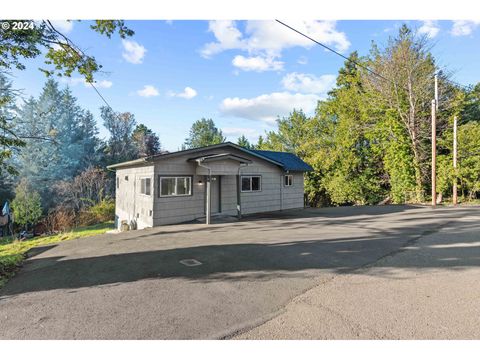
(135, 286)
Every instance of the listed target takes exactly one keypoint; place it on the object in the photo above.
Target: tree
(203, 133)
(120, 145)
(61, 54)
(146, 141)
(27, 207)
(65, 56)
(243, 142)
(9, 141)
(405, 93)
(72, 139)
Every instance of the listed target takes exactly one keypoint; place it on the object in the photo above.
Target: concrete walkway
(315, 273)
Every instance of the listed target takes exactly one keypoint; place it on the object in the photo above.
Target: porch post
(239, 208)
(208, 200)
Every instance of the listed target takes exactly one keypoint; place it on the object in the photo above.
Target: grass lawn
(12, 252)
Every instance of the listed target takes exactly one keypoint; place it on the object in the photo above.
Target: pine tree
(243, 142)
(27, 207)
(203, 133)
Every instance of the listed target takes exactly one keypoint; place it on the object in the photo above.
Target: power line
(335, 52)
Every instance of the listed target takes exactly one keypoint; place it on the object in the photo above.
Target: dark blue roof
(290, 162)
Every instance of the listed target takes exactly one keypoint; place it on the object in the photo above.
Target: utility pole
(434, 154)
(434, 143)
(455, 160)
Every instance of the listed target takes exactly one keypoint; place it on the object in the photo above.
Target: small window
(146, 186)
(288, 180)
(118, 182)
(251, 183)
(175, 186)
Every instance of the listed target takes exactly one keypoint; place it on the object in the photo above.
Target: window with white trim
(175, 186)
(288, 180)
(146, 186)
(251, 183)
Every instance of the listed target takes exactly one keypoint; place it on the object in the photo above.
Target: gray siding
(129, 203)
(169, 210)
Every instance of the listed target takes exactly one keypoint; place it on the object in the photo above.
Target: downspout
(239, 187)
(208, 198)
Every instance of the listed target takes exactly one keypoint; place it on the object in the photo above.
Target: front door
(215, 193)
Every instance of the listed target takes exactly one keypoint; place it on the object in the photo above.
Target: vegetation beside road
(12, 252)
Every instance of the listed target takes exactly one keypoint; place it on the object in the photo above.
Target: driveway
(133, 285)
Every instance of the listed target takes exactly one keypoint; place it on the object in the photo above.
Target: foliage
(27, 207)
(9, 141)
(104, 210)
(203, 133)
(64, 56)
(62, 139)
(13, 252)
(243, 142)
(120, 145)
(146, 141)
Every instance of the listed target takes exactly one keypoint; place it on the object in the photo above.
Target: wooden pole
(455, 160)
(434, 154)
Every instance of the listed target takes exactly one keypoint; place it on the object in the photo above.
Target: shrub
(59, 219)
(104, 210)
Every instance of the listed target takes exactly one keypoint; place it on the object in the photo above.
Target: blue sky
(242, 74)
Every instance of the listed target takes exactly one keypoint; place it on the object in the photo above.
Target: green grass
(12, 252)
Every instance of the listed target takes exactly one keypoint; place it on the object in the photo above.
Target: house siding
(176, 209)
(129, 203)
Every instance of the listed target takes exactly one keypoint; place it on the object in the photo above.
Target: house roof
(223, 156)
(287, 161)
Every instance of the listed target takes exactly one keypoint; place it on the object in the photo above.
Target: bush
(59, 219)
(104, 210)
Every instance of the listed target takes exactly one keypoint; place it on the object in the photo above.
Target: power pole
(434, 154)
(434, 143)
(455, 160)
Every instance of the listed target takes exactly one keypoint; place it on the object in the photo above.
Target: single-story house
(226, 179)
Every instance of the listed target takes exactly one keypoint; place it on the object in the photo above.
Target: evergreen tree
(243, 142)
(27, 207)
(9, 141)
(204, 133)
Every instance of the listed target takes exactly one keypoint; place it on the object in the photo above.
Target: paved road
(257, 275)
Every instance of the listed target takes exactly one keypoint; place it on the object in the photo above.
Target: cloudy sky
(242, 74)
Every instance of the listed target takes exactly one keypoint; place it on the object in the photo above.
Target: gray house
(223, 179)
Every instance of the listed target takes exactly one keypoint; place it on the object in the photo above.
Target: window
(146, 186)
(175, 186)
(288, 180)
(118, 182)
(251, 183)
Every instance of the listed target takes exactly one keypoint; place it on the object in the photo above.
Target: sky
(242, 74)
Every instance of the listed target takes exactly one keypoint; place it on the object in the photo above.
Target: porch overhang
(220, 164)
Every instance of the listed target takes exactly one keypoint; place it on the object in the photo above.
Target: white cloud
(63, 26)
(307, 83)
(239, 131)
(133, 51)
(256, 63)
(148, 91)
(464, 27)
(187, 93)
(105, 84)
(227, 35)
(266, 39)
(429, 28)
(268, 107)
